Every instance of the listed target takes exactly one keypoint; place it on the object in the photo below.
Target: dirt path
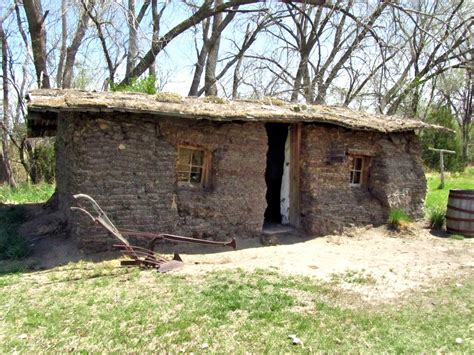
(375, 263)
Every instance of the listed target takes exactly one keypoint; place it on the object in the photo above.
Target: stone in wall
(395, 179)
(128, 164)
(399, 179)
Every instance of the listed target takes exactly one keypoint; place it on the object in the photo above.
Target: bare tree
(204, 11)
(73, 48)
(36, 17)
(433, 37)
(5, 123)
(323, 41)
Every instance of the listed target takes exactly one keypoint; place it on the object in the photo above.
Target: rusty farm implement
(139, 256)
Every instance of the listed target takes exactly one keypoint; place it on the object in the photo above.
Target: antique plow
(143, 257)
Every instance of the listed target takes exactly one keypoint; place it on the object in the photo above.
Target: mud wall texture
(128, 164)
(394, 179)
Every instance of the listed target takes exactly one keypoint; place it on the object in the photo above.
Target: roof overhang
(45, 105)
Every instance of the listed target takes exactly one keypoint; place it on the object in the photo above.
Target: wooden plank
(295, 157)
(362, 152)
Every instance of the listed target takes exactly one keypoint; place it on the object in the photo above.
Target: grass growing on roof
(171, 97)
(88, 307)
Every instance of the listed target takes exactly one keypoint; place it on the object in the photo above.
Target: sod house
(211, 168)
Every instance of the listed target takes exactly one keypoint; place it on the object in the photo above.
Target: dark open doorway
(277, 134)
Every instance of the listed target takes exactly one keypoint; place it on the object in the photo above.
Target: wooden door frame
(295, 156)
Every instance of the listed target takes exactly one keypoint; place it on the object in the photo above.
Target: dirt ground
(376, 263)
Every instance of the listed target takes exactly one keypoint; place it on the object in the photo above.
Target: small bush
(398, 218)
(146, 85)
(437, 217)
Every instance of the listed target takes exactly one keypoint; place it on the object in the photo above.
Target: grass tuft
(437, 217)
(457, 237)
(215, 100)
(398, 218)
(268, 100)
(170, 97)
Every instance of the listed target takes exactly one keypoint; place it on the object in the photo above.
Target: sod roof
(43, 106)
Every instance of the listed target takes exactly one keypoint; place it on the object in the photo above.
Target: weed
(437, 217)
(398, 218)
(457, 237)
(146, 85)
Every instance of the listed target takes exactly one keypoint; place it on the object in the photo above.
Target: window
(192, 165)
(357, 171)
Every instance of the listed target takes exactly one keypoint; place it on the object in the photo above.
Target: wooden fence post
(441, 163)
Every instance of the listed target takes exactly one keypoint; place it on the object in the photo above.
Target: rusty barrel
(460, 212)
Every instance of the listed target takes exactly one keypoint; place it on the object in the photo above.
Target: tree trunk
(237, 79)
(62, 54)
(211, 65)
(132, 38)
(74, 48)
(201, 61)
(5, 124)
(36, 18)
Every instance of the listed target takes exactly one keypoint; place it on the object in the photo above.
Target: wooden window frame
(364, 170)
(205, 167)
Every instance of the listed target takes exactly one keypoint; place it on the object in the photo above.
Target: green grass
(398, 217)
(437, 217)
(436, 198)
(87, 307)
(26, 193)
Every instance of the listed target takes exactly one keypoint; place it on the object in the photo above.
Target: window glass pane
(356, 177)
(358, 164)
(190, 165)
(197, 157)
(196, 174)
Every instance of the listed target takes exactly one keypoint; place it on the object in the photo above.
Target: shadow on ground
(49, 246)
